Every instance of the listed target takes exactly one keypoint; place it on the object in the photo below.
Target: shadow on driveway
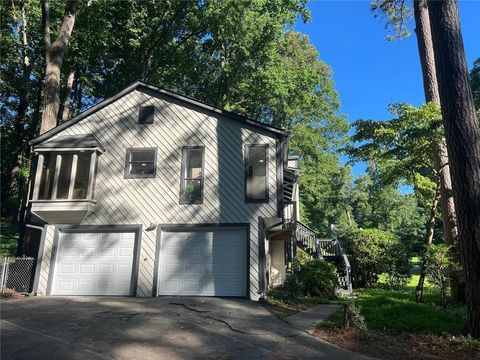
(152, 328)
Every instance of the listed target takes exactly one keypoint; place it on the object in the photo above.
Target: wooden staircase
(330, 250)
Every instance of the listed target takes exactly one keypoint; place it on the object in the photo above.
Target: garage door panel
(105, 251)
(65, 286)
(170, 268)
(70, 251)
(67, 268)
(106, 268)
(102, 265)
(126, 252)
(197, 268)
(203, 262)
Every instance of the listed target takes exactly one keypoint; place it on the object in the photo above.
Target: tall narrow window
(46, 179)
(191, 191)
(256, 184)
(80, 186)
(141, 163)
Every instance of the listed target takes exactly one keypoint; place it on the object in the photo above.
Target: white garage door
(94, 264)
(203, 262)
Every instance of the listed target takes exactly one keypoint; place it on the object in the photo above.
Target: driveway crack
(224, 321)
(189, 308)
(231, 327)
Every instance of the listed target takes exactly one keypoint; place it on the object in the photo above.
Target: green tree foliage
(438, 262)
(402, 150)
(398, 14)
(475, 83)
(373, 252)
(232, 54)
(404, 146)
(385, 208)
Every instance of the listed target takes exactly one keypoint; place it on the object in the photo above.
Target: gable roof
(140, 85)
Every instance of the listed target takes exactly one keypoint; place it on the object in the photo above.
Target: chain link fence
(17, 274)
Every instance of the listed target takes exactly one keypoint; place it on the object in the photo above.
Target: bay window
(65, 175)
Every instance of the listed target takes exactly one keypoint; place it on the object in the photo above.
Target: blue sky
(370, 72)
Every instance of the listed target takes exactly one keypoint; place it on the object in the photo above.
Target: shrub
(354, 316)
(312, 278)
(373, 252)
(437, 263)
(318, 278)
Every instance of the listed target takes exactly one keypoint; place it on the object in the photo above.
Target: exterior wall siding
(156, 200)
(46, 259)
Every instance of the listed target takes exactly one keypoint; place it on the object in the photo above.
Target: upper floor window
(65, 175)
(256, 173)
(191, 187)
(141, 163)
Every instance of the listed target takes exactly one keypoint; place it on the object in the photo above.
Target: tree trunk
(15, 181)
(68, 94)
(442, 167)
(77, 94)
(463, 143)
(54, 54)
(449, 219)
(428, 242)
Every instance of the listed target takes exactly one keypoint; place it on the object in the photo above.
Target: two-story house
(153, 193)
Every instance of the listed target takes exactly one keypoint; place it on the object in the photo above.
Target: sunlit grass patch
(397, 310)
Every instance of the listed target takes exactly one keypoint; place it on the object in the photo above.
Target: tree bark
(54, 54)
(441, 165)
(68, 94)
(15, 181)
(463, 143)
(78, 93)
(428, 242)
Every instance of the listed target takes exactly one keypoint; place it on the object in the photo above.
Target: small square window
(146, 114)
(141, 163)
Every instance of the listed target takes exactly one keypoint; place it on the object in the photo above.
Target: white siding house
(175, 206)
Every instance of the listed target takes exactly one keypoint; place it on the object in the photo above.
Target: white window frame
(58, 162)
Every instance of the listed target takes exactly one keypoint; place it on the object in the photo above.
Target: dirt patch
(384, 345)
(12, 294)
(280, 311)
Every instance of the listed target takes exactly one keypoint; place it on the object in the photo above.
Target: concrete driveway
(152, 328)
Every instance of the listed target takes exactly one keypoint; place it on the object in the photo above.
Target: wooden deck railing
(306, 238)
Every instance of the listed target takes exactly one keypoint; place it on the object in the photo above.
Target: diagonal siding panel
(145, 201)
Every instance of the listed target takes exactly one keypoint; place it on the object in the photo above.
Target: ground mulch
(279, 311)
(404, 346)
(12, 294)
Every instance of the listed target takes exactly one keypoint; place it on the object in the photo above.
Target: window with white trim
(256, 173)
(141, 163)
(191, 191)
(65, 175)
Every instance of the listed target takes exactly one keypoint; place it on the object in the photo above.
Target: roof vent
(146, 114)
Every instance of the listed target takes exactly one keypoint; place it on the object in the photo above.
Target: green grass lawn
(415, 260)
(397, 311)
(8, 239)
